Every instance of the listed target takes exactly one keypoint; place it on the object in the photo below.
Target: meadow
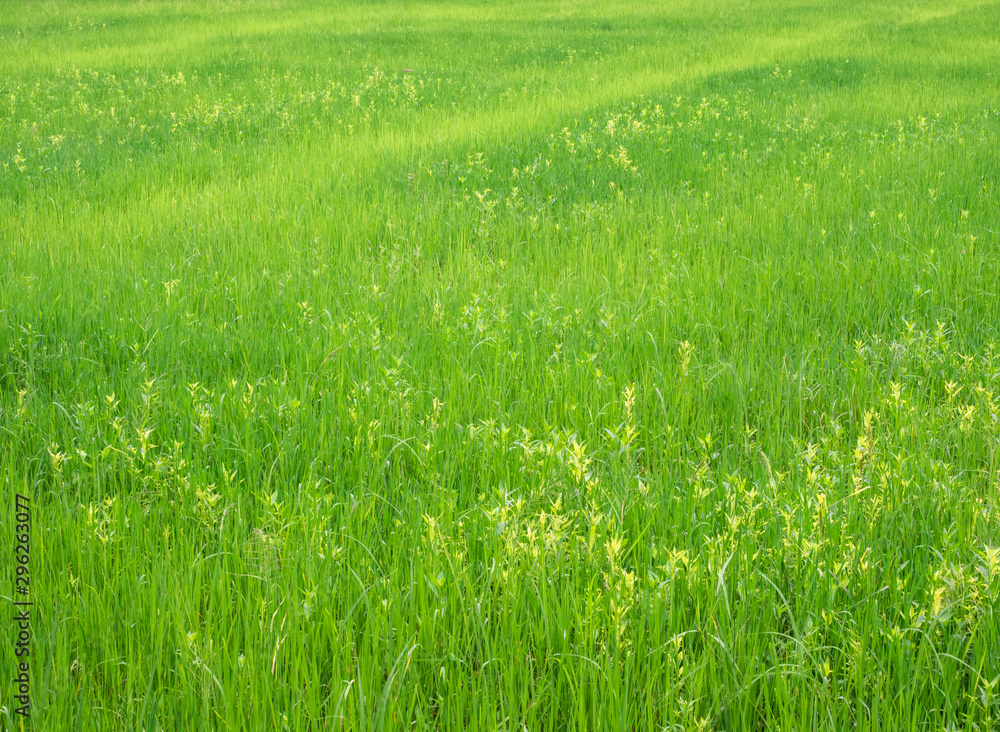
(527, 366)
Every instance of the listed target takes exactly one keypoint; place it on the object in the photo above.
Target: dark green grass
(546, 366)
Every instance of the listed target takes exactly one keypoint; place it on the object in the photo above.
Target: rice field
(528, 366)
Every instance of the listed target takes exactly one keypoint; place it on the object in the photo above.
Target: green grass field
(525, 366)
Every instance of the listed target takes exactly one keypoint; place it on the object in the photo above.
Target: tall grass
(553, 365)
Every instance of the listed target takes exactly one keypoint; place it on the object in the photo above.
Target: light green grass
(558, 365)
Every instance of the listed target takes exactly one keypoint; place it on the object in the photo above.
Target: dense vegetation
(528, 366)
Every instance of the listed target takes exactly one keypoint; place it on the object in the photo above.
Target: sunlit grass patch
(539, 366)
